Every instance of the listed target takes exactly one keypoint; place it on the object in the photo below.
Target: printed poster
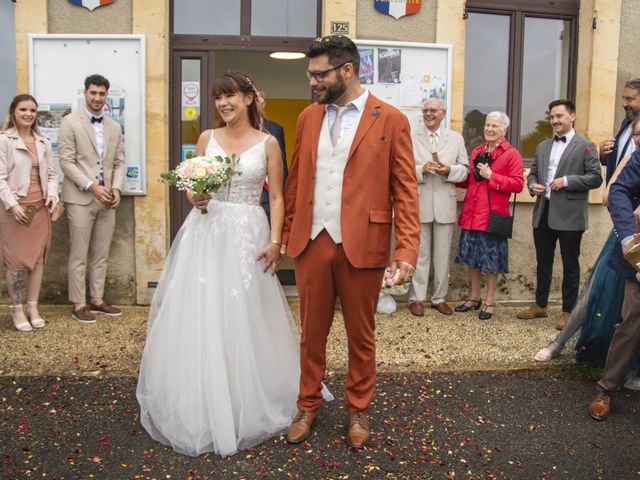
(113, 108)
(49, 118)
(389, 65)
(188, 151)
(434, 86)
(367, 68)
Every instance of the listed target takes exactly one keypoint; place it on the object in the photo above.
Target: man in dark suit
(277, 131)
(613, 150)
(624, 199)
(565, 168)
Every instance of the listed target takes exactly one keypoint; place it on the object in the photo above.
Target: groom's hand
(403, 270)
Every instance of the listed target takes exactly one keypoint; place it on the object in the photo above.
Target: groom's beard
(332, 92)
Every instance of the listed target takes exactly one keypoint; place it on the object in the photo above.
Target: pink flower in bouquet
(184, 171)
(202, 175)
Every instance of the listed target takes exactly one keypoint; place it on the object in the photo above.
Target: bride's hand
(199, 202)
(271, 257)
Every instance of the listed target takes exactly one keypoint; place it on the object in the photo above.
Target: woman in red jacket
(497, 173)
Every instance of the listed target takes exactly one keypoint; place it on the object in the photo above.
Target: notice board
(405, 74)
(58, 65)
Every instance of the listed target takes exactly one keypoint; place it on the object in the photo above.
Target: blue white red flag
(398, 8)
(91, 4)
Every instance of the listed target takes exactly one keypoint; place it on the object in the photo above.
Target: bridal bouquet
(202, 175)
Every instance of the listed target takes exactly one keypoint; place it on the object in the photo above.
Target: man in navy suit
(277, 131)
(613, 150)
(624, 199)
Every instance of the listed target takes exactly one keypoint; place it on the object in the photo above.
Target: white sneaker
(632, 382)
(548, 353)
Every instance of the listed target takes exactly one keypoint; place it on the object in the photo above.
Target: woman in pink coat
(28, 195)
(497, 173)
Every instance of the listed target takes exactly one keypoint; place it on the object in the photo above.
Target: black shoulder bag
(500, 225)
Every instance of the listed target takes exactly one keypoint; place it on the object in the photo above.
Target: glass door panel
(189, 113)
(486, 72)
(190, 108)
(545, 77)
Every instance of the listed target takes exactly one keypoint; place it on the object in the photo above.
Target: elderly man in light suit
(565, 168)
(91, 152)
(441, 161)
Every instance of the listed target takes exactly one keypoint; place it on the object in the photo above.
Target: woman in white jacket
(28, 196)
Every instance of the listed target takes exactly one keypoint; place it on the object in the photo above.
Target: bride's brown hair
(233, 81)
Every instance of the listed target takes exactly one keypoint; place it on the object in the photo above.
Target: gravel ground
(113, 346)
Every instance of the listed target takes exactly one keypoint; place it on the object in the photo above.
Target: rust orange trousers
(322, 274)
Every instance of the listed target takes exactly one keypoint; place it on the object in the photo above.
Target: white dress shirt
(98, 134)
(557, 149)
(622, 141)
(351, 116)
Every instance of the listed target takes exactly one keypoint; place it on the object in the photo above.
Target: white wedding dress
(220, 368)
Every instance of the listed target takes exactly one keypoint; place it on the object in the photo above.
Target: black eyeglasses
(319, 75)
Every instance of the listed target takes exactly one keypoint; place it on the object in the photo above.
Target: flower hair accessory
(255, 90)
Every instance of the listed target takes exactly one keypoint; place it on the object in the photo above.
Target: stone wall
(628, 58)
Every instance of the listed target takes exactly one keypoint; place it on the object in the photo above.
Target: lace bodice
(245, 188)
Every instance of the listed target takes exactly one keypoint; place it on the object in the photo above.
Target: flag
(398, 8)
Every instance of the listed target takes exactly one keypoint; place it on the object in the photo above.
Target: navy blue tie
(96, 119)
(563, 139)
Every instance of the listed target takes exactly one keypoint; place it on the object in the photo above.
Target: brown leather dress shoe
(600, 406)
(105, 309)
(83, 315)
(417, 309)
(443, 308)
(562, 320)
(300, 427)
(534, 311)
(358, 434)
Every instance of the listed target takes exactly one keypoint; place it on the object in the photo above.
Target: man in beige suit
(441, 161)
(91, 152)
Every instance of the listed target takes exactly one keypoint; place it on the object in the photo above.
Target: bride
(220, 368)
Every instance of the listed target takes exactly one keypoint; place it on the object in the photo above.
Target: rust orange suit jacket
(379, 177)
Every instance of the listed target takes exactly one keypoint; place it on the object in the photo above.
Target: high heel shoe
(20, 322)
(37, 322)
(475, 305)
(484, 315)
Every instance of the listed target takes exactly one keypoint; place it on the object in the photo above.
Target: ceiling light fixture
(287, 55)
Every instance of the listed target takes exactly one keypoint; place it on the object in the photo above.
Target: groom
(352, 171)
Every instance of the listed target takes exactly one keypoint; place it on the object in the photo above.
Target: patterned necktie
(434, 142)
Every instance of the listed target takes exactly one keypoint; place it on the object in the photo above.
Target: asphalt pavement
(504, 425)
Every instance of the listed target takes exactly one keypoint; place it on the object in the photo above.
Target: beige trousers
(90, 232)
(435, 247)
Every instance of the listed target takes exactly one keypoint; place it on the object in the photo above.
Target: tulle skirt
(220, 368)
(601, 298)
